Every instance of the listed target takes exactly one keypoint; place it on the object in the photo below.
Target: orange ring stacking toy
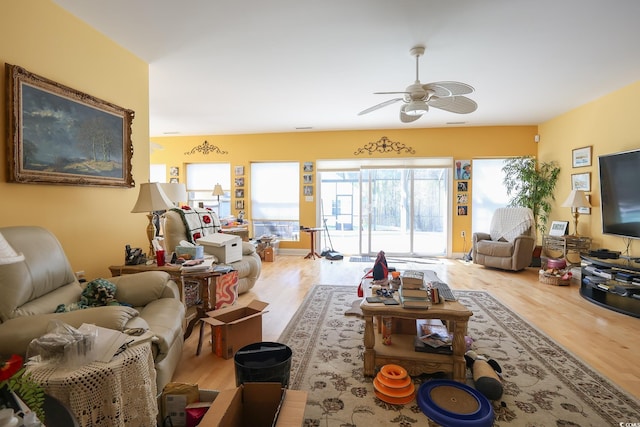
(393, 385)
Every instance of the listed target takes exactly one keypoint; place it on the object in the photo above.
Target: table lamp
(151, 198)
(175, 192)
(7, 254)
(576, 200)
(218, 191)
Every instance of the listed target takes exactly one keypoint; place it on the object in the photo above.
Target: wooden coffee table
(401, 351)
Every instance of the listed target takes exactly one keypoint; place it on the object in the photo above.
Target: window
(275, 199)
(158, 173)
(201, 178)
(489, 192)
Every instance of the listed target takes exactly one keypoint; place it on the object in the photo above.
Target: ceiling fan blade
(378, 106)
(454, 104)
(405, 118)
(442, 89)
(392, 93)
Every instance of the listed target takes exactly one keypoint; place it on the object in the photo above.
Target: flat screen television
(620, 193)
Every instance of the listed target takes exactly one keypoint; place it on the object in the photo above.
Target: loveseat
(32, 289)
(187, 224)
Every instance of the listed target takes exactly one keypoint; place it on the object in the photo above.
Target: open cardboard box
(235, 327)
(257, 405)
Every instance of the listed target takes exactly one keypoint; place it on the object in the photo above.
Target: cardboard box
(226, 247)
(174, 403)
(235, 327)
(194, 252)
(269, 255)
(257, 405)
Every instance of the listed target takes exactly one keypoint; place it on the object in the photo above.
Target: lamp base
(151, 234)
(576, 214)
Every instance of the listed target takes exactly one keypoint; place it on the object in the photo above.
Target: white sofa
(32, 290)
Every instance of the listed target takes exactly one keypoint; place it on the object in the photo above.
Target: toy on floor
(485, 375)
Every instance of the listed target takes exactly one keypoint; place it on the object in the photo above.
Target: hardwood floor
(605, 340)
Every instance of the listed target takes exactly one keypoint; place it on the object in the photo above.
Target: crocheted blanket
(198, 222)
(509, 223)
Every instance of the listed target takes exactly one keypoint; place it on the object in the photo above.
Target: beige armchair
(177, 228)
(33, 288)
(509, 244)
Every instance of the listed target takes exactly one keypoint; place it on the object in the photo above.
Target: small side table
(119, 393)
(568, 246)
(312, 251)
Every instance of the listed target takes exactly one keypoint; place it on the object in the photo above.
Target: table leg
(202, 309)
(369, 342)
(459, 346)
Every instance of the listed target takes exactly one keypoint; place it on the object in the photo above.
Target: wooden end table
(312, 251)
(207, 280)
(401, 351)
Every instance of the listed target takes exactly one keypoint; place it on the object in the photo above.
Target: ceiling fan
(417, 98)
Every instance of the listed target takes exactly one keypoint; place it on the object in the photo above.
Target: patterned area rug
(544, 385)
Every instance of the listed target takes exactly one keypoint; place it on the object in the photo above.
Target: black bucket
(263, 362)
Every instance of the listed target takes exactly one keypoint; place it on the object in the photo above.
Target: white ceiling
(254, 66)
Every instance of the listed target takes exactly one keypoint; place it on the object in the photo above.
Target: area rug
(544, 385)
(360, 259)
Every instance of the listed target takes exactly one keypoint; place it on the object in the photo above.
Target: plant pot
(536, 261)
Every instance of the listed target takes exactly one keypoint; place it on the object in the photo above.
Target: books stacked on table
(412, 279)
(414, 297)
(432, 337)
(413, 293)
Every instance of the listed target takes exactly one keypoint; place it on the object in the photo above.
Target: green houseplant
(531, 183)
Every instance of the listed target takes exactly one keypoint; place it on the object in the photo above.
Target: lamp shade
(175, 192)
(416, 108)
(218, 191)
(576, 199)
(151, 198)
(7, 254)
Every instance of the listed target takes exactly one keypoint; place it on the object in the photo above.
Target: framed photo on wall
(239, 170)
(581, 157)
(239, 204)
(581, 181)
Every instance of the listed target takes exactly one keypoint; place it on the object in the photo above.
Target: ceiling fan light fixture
(416, 108)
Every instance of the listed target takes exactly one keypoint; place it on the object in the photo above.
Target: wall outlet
(463, 234)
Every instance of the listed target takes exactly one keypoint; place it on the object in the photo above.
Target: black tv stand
(612, 283)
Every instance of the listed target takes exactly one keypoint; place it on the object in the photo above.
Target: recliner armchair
(509, 244)
(33, 288)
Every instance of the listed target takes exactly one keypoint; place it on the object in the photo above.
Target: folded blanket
(509, 223)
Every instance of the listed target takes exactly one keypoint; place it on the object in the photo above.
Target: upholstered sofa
(32, 289)
(187, 224)
(510, 242)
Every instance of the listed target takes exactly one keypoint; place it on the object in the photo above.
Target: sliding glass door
(401, 210)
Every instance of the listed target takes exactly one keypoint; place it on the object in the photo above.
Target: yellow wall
(609, 124)
(92, 223)
(457, 143)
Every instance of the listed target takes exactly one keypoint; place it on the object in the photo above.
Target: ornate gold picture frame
(58, 135)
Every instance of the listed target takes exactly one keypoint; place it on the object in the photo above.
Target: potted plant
(531, 183)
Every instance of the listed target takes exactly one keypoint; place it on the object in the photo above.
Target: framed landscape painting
(58, 135)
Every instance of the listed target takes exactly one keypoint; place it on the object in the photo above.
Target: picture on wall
(239, 193)
(463, 186)
(174, 180)
(174, 171)
(308, 167)
(462, 210)
(463, 199)
(581, 181)
(307, 178)
(581, 157)
(239, 170)
(308, 190)
(239, 182)
(239, 204)
(58, 135)
(463, 169)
